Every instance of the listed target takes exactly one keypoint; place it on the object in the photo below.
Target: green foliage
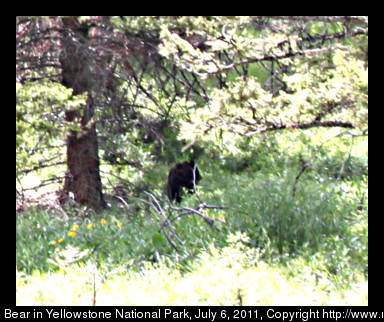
(317, 93)
(40, 124)
(328, 88)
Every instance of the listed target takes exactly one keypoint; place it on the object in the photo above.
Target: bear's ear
(192, 163)
(178, 166)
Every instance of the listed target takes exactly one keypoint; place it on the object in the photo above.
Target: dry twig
(167, 221)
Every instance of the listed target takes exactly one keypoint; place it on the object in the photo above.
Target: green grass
(326, 218)
(275, 247)
(308, 249)
(234, 275)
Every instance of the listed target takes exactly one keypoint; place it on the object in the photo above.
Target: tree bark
(83, 174)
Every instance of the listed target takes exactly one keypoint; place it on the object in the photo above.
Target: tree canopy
(131, 91)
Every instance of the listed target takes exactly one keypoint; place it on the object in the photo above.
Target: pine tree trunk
(83, 174)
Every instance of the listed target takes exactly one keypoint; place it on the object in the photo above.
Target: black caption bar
(195, 313)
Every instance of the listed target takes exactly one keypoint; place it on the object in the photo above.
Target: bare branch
(159, 210)
(343, 19)
(166, 221)
(277, 127)
(305, 166)
(288, 54)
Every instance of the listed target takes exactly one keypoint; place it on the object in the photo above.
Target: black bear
(184, 174)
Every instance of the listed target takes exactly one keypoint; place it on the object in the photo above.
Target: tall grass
(311, 246)
(326, 218)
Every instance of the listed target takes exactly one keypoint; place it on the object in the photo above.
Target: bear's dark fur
(184, 174)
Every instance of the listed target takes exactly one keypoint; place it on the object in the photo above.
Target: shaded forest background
(273, 110)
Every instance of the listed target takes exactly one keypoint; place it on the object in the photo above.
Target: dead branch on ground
(167, 218)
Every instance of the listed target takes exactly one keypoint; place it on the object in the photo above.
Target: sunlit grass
(234, 275)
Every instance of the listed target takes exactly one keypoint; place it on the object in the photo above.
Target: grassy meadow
(281, 240)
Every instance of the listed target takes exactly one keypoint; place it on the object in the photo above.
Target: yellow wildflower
(53, 242)
(75, 227)
(120, 224)
(103, 221)
(90, 226)
(72, 234)
(61, 240)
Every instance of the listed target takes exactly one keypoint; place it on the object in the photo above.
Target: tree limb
(277, 127)
(276, 57)
(343, 19)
